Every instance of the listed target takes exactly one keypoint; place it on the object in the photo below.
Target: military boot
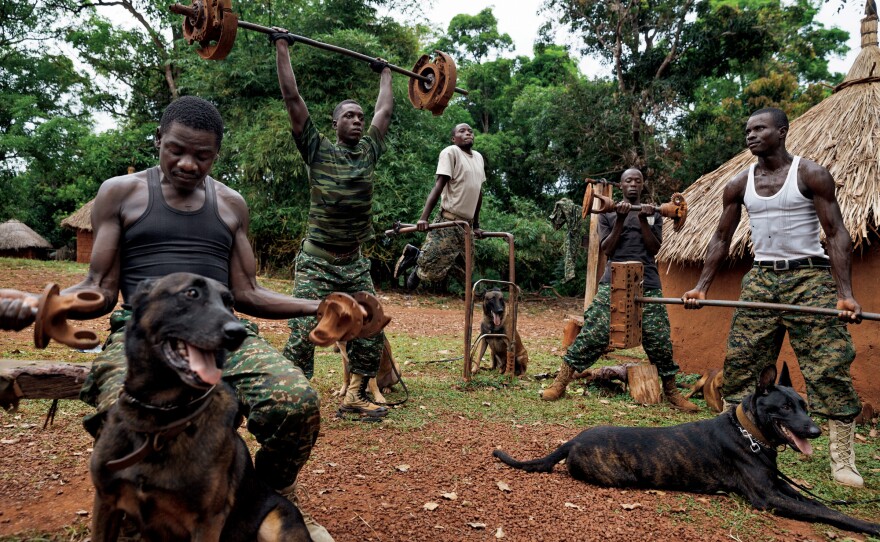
(843, 455)
(673, 396)
(357, 402)
(556, 390)
(407, 259)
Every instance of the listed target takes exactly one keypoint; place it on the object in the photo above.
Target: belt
(333, 258)
(448, 215)
(785, 265)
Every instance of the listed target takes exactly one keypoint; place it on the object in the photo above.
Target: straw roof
(841, 133)
(15, 235)
(80, 220)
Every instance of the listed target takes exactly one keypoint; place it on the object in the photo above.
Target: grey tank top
(166, 240)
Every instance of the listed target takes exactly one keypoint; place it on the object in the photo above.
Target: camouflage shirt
(341, 185)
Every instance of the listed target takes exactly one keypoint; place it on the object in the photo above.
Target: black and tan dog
(169, 456)
(733, 452)
(497, 320)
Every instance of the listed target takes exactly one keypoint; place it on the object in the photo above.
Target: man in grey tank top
(282, 408)
(788, 199)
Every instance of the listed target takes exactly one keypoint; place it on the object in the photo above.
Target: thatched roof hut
(841, 133)
(19, 241)
(81, 221)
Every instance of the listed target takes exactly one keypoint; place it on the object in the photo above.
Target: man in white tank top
(458, 187)
(789, 199)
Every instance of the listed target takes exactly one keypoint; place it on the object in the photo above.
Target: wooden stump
(21, 379)
(644, 383)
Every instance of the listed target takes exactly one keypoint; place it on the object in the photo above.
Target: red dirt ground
(356, 484)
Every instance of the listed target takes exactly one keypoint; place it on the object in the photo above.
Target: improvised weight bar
(627, 300)
(50, 310)
(214, 25)
(676, 208)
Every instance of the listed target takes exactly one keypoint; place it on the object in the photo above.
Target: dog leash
(741, 420)
(156, 440)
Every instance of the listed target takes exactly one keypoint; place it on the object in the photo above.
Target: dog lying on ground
(169, 456)
(497, 320)
(387, 376)
(706, 456)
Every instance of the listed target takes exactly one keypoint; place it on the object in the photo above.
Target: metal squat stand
(469, 289)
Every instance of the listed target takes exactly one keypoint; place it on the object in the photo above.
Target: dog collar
(156, 440)
(749, 430)
(127, 395)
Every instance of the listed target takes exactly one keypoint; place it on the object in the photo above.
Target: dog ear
(767, 379)
(784, 376)
(144, 288)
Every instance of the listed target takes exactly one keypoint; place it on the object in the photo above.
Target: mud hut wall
(24, 253)
(699, 338)
(84, 240)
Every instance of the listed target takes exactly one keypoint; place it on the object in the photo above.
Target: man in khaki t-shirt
(460, 176)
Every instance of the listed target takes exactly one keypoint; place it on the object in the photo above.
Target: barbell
(213, 25)
(676, 208)
(627, 301)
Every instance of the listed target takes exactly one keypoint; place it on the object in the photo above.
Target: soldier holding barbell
(340, 218)
(788, 200)
(627, 235)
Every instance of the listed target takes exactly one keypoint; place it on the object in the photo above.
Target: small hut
(81, 221)
(843, 134)
(19, 241)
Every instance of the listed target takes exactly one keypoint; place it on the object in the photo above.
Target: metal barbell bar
(626, 302)
(676, 208)
(214, 25)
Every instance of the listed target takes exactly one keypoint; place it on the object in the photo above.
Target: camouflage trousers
(822, 344)
(315, 279)
(282, 409)
(592, 341)
(440, 250)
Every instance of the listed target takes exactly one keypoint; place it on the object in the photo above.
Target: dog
(706, 456)
(387, 376)
(497, 321)
(169, 456)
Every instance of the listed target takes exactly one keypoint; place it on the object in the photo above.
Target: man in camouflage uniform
(340, 219)
(460, 176)
(626, 236)
(789, 200)
(175, 218)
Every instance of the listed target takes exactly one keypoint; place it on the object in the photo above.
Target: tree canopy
(685, 74)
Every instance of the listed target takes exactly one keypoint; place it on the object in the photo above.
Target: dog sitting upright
(497, 320)
(169, 455)
(733, 452)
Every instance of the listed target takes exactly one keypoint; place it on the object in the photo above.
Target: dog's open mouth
(196, 367)
(496, 319)
(802, 445)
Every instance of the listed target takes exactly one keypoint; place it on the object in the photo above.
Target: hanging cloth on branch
(567, 213)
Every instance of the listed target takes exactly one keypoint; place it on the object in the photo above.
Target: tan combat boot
(673, 396)
(556, 390)
(316, 531)
(843, 456)
(356, 401)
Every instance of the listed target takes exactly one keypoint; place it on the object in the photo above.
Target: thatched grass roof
(841, 133)
(15, 235)
(82, 219)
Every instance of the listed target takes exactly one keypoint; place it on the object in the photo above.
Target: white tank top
(785, 225)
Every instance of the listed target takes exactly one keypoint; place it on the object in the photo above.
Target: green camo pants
(316, 278)
(441, 248)
(592, 341)
(822, 344)
(281, 407)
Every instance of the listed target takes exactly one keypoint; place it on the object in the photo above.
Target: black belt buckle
(781, 265)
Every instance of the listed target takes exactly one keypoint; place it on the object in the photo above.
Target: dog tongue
(803, 445)
(496, 319)
(203, 364)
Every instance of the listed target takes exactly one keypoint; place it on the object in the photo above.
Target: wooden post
(644, 383)
(595, 258)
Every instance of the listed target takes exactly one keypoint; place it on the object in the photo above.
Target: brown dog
(169, 456)
(497, 320)
(387, 376)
